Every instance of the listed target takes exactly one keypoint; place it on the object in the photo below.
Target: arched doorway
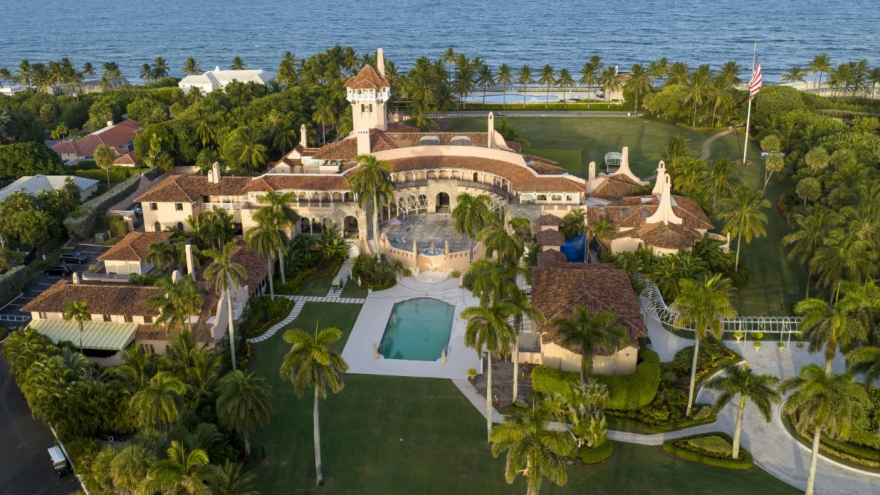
(442, 203)
(157, 227)
(350, 228)
(305, 226)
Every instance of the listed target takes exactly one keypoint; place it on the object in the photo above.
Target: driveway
(24, 461)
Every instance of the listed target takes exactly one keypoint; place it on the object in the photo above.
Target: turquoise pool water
(417, 330)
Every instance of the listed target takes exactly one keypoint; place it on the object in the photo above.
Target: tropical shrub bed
(625, 391)
(11, 283)
(711, 449)
(596, 455)
(376, 273)
(713, 355)
(262, 313)
(295, 284)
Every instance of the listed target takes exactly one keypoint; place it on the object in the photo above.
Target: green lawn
(352, 289)
(394, 435)
(317, 286)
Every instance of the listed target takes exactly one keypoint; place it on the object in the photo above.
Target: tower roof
(368, 78)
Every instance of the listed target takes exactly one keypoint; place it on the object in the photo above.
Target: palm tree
(130, 466)
(284, 215)
(701, 305)
(532, 449)
(162, 255)
(795, 74)
(609, 81)
(639, 82)
(104, 157)
(523, 308)
(719, 95)
(266, 239)
(449, 57)
(146, 72)
(485, 79)
(78, 311)
(842, 256)
(497, 240)
(718, 179)
(324, 115)
(588, 332)
(820, 64)
(697, 84)
(588, 77)
(524, 77)
(182, 472)
(657, 70)
(548, 77)
(488, 327)
(138, 366)
(230, 480)
(743, 216)
(178, 303)
(600, 230)
(313, 363)
(191, 67)
(224, 274)
(88, 69)
(244, 403)
(504, 78)
(823, 403)
(372, 186)
(565, 82)
(471, 215)
(158, 404)
(160, 68)
(761, 389)
(864, 361)
(812, 228)
(830, 326)
(238, 64)
(248, 148)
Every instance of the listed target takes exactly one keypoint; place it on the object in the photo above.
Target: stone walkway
(344, 271)
(707, 144)
(298, 304)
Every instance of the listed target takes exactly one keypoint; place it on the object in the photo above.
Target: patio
(426, 230)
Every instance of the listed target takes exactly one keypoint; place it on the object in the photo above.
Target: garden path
(299, 302)
(707, 144)
(345, 272)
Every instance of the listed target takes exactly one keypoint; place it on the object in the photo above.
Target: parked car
(74, 257)
(59, 461)
(59, 270)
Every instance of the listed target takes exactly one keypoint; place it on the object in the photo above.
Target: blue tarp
(573, 249)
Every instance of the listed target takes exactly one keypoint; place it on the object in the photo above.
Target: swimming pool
(417, 330)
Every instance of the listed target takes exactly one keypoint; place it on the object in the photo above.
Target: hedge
(11, 283)
(117, 174)
(630, 424)
(624, 391)
(846, 451)
(81, 225)
(681, 449)
(597, 455)
(262, 313)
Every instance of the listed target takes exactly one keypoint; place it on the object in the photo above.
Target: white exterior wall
(622, 363)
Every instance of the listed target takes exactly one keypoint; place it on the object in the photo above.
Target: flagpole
(749, 112)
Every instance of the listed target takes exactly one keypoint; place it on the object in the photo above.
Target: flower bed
(711, 449)
(262, 313)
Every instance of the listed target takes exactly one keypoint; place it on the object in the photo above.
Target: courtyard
(426, 231)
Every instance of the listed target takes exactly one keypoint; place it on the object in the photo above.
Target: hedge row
(853, 454)
(630, 424)
(596, 455)
(117, 174)
(624, 391)
(680, 449)
(81, 224)
(11, 283)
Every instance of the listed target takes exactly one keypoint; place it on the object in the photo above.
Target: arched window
(157, 227)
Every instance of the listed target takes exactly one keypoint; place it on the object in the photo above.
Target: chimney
(624, 160)
(490, 140)
(380, 62)
(664, 211)
(303, 136)
(214, 175)
(661, 178)
(110, 123)
(175, 276)
(75, 278)
(190, 263)
(363, 141)
(591, 177)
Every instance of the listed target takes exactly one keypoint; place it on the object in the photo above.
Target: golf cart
(59, 461)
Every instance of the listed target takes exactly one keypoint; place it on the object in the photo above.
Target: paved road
(512, 112)
(24, 461)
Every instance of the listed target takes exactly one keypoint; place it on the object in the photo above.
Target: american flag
(755, 82)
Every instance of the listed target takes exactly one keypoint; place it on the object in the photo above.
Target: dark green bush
(712, 354)
(11, 283)
(683, 449)
(376, 273)
(80, 227)
(597, 455)
(296, 283)
(262, 313)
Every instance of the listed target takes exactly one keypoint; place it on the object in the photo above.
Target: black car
(74, 257)
(59, 270)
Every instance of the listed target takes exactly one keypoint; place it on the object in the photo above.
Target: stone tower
(368, 92)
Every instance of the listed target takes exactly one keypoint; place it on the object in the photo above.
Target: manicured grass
(317, 286)
(395, 435)
(352, 289)
(594, 136)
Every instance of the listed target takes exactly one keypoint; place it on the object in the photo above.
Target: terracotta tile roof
(550, 237)
(551, 257)
(598, 286)
(549, 220)
(153, 332)
(118, 135)
(189, 188)
(290, 182)
(101, 298)
(551, 184)
(127, 159)
(398, 127)
(659, 235)
(346, 149)
(134, 246)
(367, 78)
(66, 147)
(614, 188)
(544, 166)
(518, 175)
(253, 263)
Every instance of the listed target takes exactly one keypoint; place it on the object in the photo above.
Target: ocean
(516, 32)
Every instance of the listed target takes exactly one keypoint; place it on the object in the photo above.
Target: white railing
(227, 206)
(655, 307)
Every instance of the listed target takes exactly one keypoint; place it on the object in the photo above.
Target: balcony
(234, 209)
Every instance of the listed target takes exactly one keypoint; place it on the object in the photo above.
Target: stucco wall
(622, 363)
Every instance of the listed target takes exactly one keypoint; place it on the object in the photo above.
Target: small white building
(33, 184)
(218, 79)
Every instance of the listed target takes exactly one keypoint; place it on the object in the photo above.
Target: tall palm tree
(761, 389)
(238, 64)
(324, 114)
(639, 82)
(284, 216)
(588, 332)
(449, 56)
(719, 94)
(812, 227)
(524, 77)
(842, 256)
(485, 79)
(312, 362)
(532, 449)
(230, 480)
(130, 466)
(184, 471)
(522, 309)
(160, 68)
(158, 404)
(864, 361)
(88, 69)
(657, 69)
(588, 76)
(267, 240)
(821, 64)
(498, 241)
(823, 403)
(830, 326)
(104, 157)
(372, 185)
(697, 84)
(677, 73)
(471, 215)
(244, 403)
(504, 78)
(191, 67)
(138, 366)
(223, 274)
(548, 78)
(178, 303)
(248, 147)
(701, 305)
(743, 216)
(146, 72)
(565, 82)
(489, 328)
(78, 311)
(609, 81)
(795, 74)
(718, 179)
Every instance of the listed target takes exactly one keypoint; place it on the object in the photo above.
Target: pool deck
(370, 325)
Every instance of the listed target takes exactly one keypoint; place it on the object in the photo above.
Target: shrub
(11, 283)
(676, 398)
(472, 373)
(21, 159)
(262, 313)
(758, 335)
(711, 449)
(117, 225)
(296, 283)
(376, 273)
(596, 455)
(757, 345)
(407, 272)
(455, 274)
(80, 227)
(712, 354)
(624, 391)
(143, 279)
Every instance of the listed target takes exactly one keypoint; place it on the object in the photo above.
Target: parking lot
(41, 282)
